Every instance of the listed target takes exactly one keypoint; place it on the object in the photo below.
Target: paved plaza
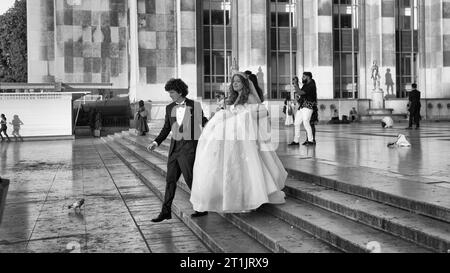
(365, 147)
(47, 176)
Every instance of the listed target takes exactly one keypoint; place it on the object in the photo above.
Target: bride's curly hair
(234, 94)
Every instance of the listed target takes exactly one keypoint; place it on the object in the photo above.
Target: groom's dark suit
(182, 147)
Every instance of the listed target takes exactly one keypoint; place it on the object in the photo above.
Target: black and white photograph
(235, 127)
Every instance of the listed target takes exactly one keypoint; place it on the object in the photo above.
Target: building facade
(137, 45)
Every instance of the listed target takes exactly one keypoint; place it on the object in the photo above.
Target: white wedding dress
(236, 167)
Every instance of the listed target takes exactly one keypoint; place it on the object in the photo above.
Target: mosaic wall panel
(92, 41)
(41, 35)
(446, 30)
(446, 10)
(325, 35)
(388, 8)
(156, 32)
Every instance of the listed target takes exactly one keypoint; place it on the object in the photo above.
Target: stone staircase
(336, 209)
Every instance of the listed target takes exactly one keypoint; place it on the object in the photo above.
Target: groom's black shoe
(161, 217)
(199, 214)
(294, 144)
(309, 143)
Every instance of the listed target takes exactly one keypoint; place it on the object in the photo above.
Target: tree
(13, 43)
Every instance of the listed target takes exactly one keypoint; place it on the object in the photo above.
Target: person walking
(307, 100)
(16, 123)
(236, 168)
(414, 107)
(185, 119)
(3, 128)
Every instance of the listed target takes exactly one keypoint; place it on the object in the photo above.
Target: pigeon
(76, 205)
(373, 247)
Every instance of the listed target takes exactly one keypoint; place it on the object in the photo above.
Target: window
(407, 43)
(346, 48)
(216, 46)
(283, 45)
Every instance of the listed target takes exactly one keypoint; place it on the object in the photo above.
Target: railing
(32, 96)
(116, 121)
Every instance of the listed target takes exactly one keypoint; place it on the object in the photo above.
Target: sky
(5, 5)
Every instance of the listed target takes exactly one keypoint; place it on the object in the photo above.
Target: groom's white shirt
(181, 111)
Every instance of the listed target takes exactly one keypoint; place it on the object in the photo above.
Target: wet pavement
(365, 146)
(47, 176)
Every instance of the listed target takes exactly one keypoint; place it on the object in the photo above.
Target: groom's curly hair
(178, 85)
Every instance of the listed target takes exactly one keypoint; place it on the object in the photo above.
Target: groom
(185, 119)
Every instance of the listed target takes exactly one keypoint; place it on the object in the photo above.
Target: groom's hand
(152, 146)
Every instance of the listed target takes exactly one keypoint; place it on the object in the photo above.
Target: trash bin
(4, 184)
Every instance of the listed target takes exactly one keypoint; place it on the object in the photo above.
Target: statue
(375, 76)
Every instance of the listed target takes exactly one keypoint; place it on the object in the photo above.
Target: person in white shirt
(387, 122)
(185, 119)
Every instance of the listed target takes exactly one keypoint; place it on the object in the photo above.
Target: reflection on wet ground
(46, 177)
(365, 147)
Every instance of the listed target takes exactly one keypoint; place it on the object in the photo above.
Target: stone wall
(48, 114)
(91, 42)
(41, 36)
(157, 45)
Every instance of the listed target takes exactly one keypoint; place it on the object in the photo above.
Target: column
(324, 71)
(434, 33)
(315, 43)
(186, 28)
(157, 47)
(364, 67)
(422, 80)
(234, 35)
(133, 50)
(388, 49)
(445, 93)
(252, 38)
(374, 51)
(41, 46)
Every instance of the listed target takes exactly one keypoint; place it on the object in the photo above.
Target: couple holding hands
(227, 162)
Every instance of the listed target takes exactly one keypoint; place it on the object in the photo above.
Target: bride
(236, 167)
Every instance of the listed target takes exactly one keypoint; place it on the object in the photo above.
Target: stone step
(426, 199)
(273, 233)
(335, 235)
(425, 231)
(216, 232)
(415, 197)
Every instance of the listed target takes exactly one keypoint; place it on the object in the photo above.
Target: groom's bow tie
(181, 104)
